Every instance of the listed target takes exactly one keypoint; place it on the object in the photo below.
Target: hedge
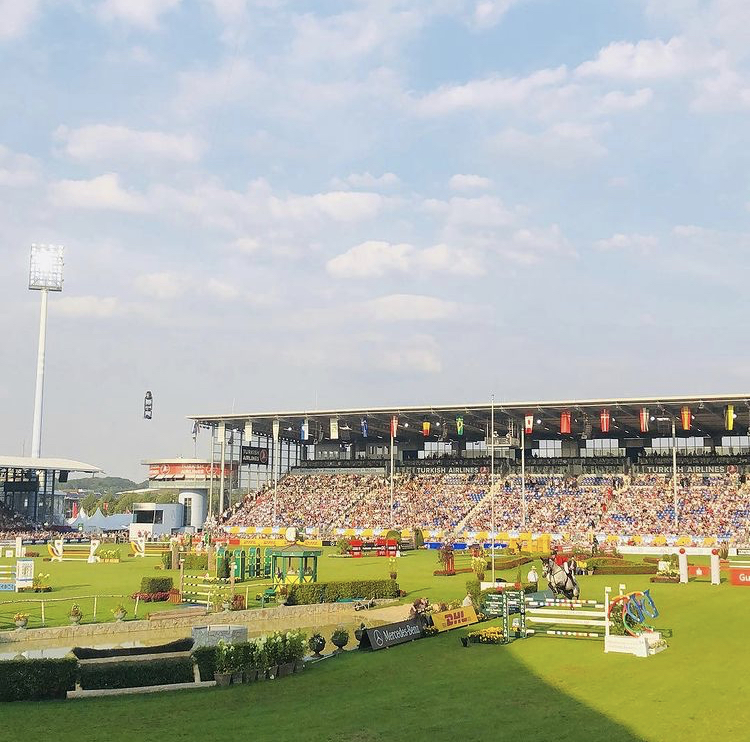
(330, 592)
(627, 568)
(205, 658)
(509, 562)
(601, 561)
(156, 584)
(135, 674)
(90, 653)
(36, 680)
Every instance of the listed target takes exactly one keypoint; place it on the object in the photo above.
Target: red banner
(565, 422)
(604, 419)
(528, 426)
(199, 472)
(425, 428)
(686, 417)
(394, 426)
(740, 576)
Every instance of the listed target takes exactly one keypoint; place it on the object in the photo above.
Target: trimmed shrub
(136, 674)
(418, 538)
(502, 563)
(156, 584)
(393, 535)
(601, 561)
(89, 653)
(205, 658)
(222, 567)
(330, 592)
(626, 568)
(196, 562)
(36, 680)
(166, 560)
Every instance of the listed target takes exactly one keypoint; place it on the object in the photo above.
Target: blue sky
(268, 203)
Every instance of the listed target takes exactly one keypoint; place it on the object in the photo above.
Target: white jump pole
(715, 567)
(682, 561)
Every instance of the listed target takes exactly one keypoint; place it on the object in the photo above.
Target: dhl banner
(447, 620)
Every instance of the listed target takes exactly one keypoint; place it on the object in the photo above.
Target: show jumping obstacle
(59, 551)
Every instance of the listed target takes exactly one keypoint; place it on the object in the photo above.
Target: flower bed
(151, 597)
(490, 635)
(450, 573)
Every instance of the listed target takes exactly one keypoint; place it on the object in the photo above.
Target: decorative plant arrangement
(479, 565)
(75, 615)
(490, 635)
(119, 612)
(340, 638)
(40, 583)
(111, 556)
(393, 572)
(316, 643)
(224, 663)
(21, 620)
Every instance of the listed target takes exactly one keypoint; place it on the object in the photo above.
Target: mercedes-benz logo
(379, 639)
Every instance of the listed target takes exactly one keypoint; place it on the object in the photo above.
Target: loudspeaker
(63, 476)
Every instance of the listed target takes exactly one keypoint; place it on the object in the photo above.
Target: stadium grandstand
(645, 466)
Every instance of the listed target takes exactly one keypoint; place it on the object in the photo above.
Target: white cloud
(642, 243)
(420, 353)
(366, 180)
(461, 182)
(98, 307)
(445, 259)
(141, 13)
(481, 211)
(410, 308)
(208, 89)
(101, 193)
(16, 16)
(649, 59)
(488, 13)
(561, 145)
(220, 289)
(17, 170)
(163, 285)
(104, 142)
(493, 92)
(617, 100)
(371, 259)
(530, 245)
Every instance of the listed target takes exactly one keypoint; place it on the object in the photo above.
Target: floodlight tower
(45, 275)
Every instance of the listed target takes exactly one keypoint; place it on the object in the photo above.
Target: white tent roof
(28, 462)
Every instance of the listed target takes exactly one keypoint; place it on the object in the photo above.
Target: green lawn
(434, 689)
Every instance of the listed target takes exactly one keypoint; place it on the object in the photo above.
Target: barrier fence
(43, 612)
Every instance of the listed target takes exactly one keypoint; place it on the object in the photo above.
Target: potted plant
(75, 614)
(274, 649)
(479, 564)
(20, 620)
(393, 573)
(40, 583)
(260, 658)
(223, 672)
(296, 649)
(174, 595)
(119, 612)
(316, 644)
(340, 638)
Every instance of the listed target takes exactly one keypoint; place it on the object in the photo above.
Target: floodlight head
(46, 268)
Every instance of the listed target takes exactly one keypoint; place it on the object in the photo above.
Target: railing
(44, 604)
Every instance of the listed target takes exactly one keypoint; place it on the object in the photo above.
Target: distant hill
(105, 485)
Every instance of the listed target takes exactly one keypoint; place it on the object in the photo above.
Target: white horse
(561, 579)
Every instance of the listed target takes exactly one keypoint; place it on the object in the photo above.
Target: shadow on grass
(432, 689)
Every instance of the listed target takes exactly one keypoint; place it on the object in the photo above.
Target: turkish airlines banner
(193, 472)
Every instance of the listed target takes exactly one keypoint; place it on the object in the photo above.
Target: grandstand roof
(707, 412)
(50, 464)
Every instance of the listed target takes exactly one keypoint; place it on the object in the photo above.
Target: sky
(279, 205)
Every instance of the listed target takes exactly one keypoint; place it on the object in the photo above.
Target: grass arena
(535, 688)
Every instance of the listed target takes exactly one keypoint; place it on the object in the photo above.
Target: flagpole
(523, 476)
(674, 472)
(492, 483)
(391, 472)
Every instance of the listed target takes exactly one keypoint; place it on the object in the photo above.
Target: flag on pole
(394, 425)
(604, 419)
(426, 428)
(334, 428)
(528, 424)
(686, 417)
(195, 430)
(459, 426)
(565, 422)
(729, 414)
(304, 430)
(363, 423)
(644, 418)
(275, 429)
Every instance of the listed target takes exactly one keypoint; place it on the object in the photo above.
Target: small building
(154, 520)
(294, 564)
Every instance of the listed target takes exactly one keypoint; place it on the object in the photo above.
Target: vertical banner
(686, 417)
(528, 424)
(304, 430)
(394, 425)
(604, 419)
(426, 428)
(459, 426)
(729, 414)
(363, 423)
(644, 418)
(75, 509)
(334, 428)
(565, 422)
(275, 429)
(248, 433)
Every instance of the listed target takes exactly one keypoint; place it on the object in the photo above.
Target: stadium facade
(663, 435)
